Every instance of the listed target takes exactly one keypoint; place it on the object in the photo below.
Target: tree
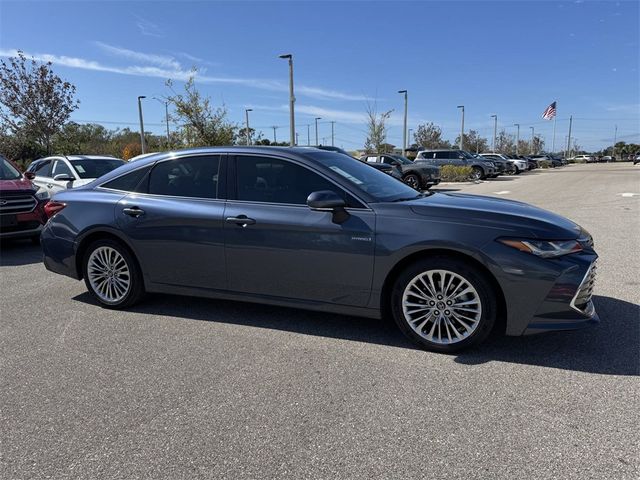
(75, 138)
(241, 137)
(377, 129)
(34, 102)
(429, 135)
(202, 125)
(505, 143)
(472, 142)
(538, 145)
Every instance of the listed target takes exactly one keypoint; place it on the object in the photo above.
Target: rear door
(176, 222)
(277, 246)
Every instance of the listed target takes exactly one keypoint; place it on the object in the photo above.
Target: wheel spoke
(108, 274)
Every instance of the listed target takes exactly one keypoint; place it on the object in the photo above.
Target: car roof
(80, 157)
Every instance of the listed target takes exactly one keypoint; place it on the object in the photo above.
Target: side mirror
(29, 175)
(325, 200)
(63, 177)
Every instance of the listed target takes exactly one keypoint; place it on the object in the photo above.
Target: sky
(508, 58)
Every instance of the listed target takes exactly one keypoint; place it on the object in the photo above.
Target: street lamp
(246, 113)
(462, 127)
(533, 135)
(292, 100)
(495, 132)
(404, 130)
(142, 146)
(317, 118)
(275, 140)
(166, 113)
(517, 137)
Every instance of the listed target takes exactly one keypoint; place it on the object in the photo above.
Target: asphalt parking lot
(190, 388)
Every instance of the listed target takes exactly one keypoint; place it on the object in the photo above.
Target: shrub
(544, 163)
(451, 173)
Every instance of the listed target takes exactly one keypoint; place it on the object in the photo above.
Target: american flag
(550, 112)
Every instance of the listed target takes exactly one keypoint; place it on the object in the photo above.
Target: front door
(277, 246)
(176, 223)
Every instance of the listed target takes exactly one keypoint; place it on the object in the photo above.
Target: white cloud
(164, 66)
(164, 61)
(148, 28)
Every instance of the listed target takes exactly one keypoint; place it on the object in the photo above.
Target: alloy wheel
(108, 274)
(441, 306)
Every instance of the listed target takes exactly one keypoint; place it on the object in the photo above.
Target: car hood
(518, 217)
(19, 185)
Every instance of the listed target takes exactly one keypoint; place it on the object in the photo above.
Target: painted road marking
(628, 194)
(502, 192)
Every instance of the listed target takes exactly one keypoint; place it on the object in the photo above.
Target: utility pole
(166, 117)
(404, 130)
(246, 113)
(317, 118)
(615, 139)
(275, 140)
(142, 145)
(517, 137)
(297, 138)
(495, 132)
(569, 141)
(533, 137)
(462, 127)
(332, 135)
(292, 101)
(308, 134)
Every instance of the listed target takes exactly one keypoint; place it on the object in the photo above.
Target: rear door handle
(133, 211)
(241, 220)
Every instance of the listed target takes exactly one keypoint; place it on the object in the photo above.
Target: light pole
(462, 127)
(495, 132)
(292, 100)
(409, 134)
(317, 118)
(166, 116)
(332, 135)
(533, 137)
(615, 139)
(246, 113)
(308, 134)
(275, 140)
(569, 140)
(142, 145)
(404, 130)
(297, 138)
(517, 137)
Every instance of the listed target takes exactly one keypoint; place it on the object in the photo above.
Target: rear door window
(195, 176)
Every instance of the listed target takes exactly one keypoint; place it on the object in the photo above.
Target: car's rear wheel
(443, 304)
(412, 180)
(477, 173)
(112, 275)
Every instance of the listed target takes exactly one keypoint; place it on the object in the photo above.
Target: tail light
(52, 207)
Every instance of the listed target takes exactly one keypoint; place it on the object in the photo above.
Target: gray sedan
(317, 230)
(418, 175)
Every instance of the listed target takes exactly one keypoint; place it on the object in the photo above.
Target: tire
(472, 324)
(518, 171)
(477, 174)
(412, 180)
(112, 256)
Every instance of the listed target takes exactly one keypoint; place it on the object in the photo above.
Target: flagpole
(553, 142)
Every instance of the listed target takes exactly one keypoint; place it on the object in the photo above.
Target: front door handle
(133, 211)
(241, 220)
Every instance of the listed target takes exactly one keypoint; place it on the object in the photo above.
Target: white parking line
(502, 192)
(628, 194)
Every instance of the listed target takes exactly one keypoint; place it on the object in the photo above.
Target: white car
(585, 158)
(60, 172)
(520, 164)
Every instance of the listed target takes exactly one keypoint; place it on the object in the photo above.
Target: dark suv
(482, 168)
(420, 176)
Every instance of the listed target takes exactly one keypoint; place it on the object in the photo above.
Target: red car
(21, 204)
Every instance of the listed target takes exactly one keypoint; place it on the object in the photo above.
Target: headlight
(544, 248)
(42, 194)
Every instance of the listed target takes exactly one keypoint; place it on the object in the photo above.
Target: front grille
(17, 204)
(582, 299)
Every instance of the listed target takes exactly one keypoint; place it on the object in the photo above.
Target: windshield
(95, 167)
(465, 154)
(381, 186)
(8, 171)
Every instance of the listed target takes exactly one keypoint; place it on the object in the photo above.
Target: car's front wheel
(443, 304)
(412, 180)
(477, 173)
(112, 275)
